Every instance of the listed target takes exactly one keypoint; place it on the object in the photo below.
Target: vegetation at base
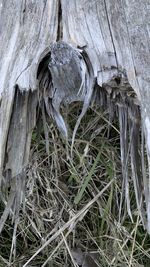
(59, 186)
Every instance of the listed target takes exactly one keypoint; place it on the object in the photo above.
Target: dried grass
(72, 205)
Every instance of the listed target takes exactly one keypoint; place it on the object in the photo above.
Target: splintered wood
(103, 57)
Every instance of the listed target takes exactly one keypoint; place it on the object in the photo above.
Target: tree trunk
(102, 42)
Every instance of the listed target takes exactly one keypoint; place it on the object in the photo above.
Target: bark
(102, 42)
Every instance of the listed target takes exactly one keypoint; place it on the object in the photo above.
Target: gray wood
(27, 29)
(115, 37)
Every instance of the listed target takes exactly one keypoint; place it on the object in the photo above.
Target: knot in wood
(68, 71)
(71, 80)
(61, 53)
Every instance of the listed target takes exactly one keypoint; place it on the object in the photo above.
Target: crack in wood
(111, 35)
(60, 28)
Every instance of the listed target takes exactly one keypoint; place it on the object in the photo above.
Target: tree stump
(83, 45)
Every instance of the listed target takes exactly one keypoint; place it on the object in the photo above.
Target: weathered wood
(109, 37)
(116, 38)
(27, 29)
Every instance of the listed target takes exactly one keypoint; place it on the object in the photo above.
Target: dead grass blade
(70, 222)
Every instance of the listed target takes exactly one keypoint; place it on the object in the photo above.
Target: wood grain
(115, 36)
